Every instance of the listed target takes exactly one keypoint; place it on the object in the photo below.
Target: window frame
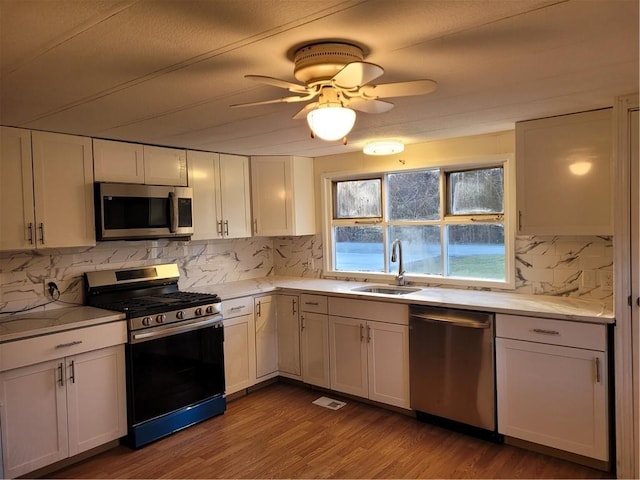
(506, 161)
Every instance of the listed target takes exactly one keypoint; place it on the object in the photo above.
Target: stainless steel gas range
(174, 356)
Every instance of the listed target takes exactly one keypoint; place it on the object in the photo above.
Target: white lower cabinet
(59, 408)
(239, 344)
(552, 384)
(369, 358)
(266, 336)
(314, 340)
(287, 308)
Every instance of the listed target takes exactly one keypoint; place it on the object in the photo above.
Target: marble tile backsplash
(201, 263)
(544, 265)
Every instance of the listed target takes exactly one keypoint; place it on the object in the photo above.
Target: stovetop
(153, 304)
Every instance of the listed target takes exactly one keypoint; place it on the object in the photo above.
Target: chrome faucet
(400, 277)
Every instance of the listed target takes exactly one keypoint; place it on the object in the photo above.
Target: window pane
(358, 199)
(359, 249)
(414, 195)
(476, 251)
(476, 192)
(420, 249)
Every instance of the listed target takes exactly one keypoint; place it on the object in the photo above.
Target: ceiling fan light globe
(331, 123)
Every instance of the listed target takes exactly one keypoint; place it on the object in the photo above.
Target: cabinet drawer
(553, 332)
(237, 307)
(369, 310)
(313, 303)
(62, 344)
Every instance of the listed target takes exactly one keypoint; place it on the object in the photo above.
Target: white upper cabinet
(283, 196)
(165, 166)
(16, 190)
(134, 163)
(47, 190)
(221, 205)
(118, 162)
(563, 168)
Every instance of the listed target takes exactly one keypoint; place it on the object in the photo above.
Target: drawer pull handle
(546, 332)
(311, 303)
(235, 309)
(70, 344)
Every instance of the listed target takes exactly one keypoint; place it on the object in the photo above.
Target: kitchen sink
(386, 289)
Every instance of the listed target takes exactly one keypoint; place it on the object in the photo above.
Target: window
(451, 223)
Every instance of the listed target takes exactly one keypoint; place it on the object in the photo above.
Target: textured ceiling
(165, 71)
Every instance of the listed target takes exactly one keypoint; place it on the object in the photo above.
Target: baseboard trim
(561, 454)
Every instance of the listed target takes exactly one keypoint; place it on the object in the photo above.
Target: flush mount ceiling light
(330, 120)
(383, 147)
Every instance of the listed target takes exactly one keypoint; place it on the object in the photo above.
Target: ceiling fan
(335, 74)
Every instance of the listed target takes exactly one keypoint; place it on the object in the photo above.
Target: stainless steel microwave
(126, 211)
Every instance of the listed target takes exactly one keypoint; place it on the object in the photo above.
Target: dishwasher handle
(451, 320)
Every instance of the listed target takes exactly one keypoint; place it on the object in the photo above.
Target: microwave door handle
(173, 212)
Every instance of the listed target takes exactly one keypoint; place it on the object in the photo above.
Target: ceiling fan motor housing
(322, 61)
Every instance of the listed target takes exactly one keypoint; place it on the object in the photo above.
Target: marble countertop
(563, 308)
(27, 325)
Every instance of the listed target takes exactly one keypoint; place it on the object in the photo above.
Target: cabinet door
(239, 353)
(207, 212)
(271, 190)
(118, 162)
(288, 335)
(348, 356)
(63, 190)
(33, 417)
(266, 337)
(283, 195)
(235, 196)
(388, 363)
(314, 340)
(96, 398)
(564, 172)
(17, 221)
(165, 166)
(554, 396)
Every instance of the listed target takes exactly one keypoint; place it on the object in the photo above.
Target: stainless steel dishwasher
(452, 368)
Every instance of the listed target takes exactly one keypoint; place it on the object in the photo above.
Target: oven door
(174, 368)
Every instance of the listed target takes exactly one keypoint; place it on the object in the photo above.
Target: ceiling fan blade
(370, 106)
(275, 100)
(356, 74)
(399, 89)
(306, 109)
(276, 82)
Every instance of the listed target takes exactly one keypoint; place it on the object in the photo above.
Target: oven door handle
(173, 330)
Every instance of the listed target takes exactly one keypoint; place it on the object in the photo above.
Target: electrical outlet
(606, 280)
(45, 284)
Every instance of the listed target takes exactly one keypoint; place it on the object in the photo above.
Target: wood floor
(276, 432)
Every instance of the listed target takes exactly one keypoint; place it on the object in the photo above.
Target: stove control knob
(180, 315)
(146, 321)
(161, 318)
(210, 309)
(198, 311)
